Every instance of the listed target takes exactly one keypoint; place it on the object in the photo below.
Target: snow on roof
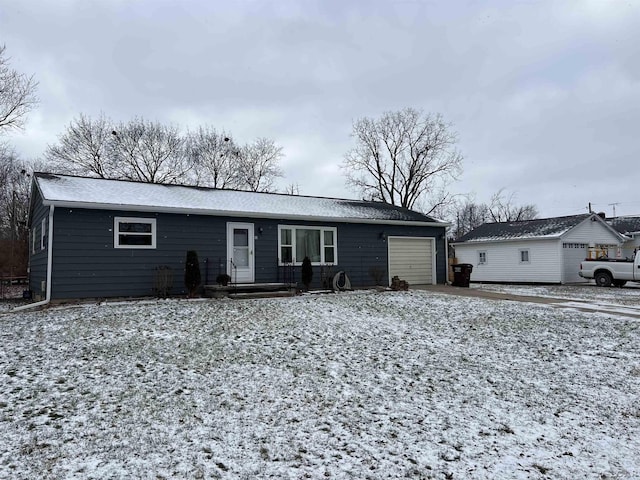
(72, 191)
(625, 225)
(525, 229)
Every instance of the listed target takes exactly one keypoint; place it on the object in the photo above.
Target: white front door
(240, 242)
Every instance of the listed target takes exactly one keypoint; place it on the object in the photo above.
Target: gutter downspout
(47, 298)
(446, 257)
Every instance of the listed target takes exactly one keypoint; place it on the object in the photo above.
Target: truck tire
(619, 283)
(603, 279)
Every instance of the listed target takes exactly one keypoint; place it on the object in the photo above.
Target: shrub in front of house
(377, 274)
(307, 273)
(192, 277)
(163, 281)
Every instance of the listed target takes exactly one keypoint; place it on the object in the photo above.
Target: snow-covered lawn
(628, 295)
(359, 385)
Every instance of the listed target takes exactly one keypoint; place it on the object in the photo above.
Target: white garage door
(572, 255)
(411, 259)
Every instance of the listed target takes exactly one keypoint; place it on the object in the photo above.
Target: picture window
(297, 242)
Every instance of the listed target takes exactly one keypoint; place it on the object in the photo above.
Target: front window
(134, 232)
(317, 243)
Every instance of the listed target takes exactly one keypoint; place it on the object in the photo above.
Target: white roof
(96, 193)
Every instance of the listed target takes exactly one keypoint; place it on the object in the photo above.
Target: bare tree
(84, 148)
(17, 95)
(214, 157)
(15, 182)
(258, 166)
(292, 189)
(468, 216)
(503, 209)
(149, 152)
(403, 157)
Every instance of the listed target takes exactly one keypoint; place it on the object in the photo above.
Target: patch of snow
(628, 295)
(358, 385)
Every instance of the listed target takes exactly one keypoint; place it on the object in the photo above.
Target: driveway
(594, 305)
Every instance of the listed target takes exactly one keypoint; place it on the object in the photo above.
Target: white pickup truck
(610, 271)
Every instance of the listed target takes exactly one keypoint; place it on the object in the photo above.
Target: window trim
(528, 260)
(116, 232)
(322, 229)
(480, 255)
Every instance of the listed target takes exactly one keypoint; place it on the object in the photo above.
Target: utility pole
(614, 207)
(13, 234)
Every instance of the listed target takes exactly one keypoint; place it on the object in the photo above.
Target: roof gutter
(47, 297)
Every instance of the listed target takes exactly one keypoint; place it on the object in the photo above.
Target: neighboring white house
(536, 251)
(629, 227)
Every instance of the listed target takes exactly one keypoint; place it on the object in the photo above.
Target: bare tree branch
(469, 215)
(149, 152)
(15, 182)
(214, 157)
(292, 189)
(258, 165)
(84, 148)
(17, 95)
(503, 209)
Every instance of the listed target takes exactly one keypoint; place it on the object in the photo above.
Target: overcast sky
(544, 95)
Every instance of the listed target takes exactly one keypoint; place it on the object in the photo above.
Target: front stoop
(251, 290)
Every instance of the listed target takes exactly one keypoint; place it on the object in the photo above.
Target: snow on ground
(628, 295)
(624, 301)
(11, 297)
(360, 385)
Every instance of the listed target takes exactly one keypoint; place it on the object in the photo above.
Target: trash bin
(462, 274)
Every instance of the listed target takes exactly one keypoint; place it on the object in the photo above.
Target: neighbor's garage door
(572, 255)
(411, 259)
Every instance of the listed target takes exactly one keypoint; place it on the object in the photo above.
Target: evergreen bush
(307, 272)
(192, 272)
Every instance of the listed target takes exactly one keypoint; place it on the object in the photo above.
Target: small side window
(134, 232)
(43, 234)
(524, 256)
(482, 258)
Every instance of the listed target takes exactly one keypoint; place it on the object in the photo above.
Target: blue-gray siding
(37, 257)
(86, 264)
